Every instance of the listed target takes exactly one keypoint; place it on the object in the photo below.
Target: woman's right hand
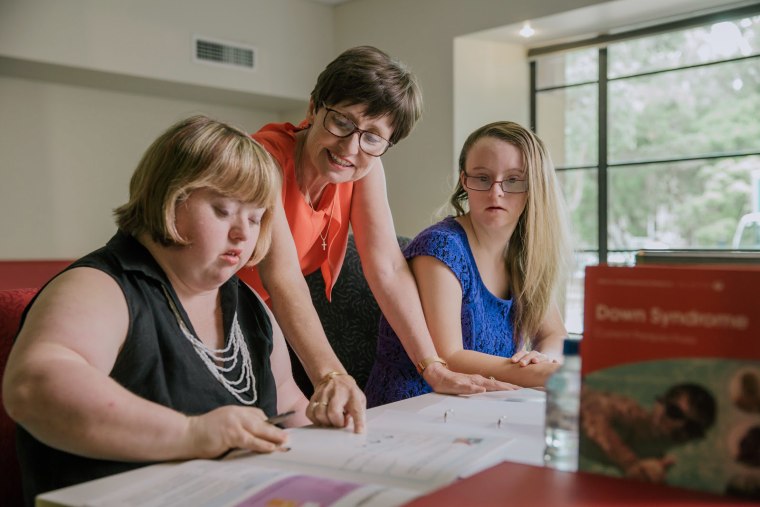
(231, 427)
(445, 381)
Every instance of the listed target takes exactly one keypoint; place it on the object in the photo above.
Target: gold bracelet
(428, 361)
(329, 376)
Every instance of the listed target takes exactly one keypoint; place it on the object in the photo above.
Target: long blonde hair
(538, 255)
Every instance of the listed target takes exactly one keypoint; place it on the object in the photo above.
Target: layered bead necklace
(215, 359)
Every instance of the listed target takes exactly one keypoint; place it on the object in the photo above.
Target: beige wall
(461, 71)
(422, 33)
(490, 84)
(69, 157)
(85, 85)
(153, 39)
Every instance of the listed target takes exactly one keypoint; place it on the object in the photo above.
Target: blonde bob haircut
(538, 255)
(197, 153)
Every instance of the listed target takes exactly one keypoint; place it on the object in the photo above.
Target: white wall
(153, 39)
(441, 39)
(421, 33)
(86, 85)
(66, 155)
(491, 86)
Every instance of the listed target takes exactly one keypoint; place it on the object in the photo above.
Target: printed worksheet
(386, 466)
(410, 457)
(225, 484)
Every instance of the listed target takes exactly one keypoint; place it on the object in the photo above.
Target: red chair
(29, 273)
(12, 304)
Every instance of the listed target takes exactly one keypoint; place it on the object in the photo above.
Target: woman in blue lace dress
(487, 275)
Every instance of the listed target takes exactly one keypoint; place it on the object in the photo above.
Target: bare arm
(551, 334)
(294, 311)
(57, 386)
(599, 411)
(441, 296)
(547, 344)
(289, 395)
(600, 414)
(394, 287)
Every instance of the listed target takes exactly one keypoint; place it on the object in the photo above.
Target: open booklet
(388, 465)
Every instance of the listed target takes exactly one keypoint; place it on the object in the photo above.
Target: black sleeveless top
(156, 362)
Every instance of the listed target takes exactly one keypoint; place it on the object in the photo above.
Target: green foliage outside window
(683, 138)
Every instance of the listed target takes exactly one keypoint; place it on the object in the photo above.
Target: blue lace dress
(486, 323)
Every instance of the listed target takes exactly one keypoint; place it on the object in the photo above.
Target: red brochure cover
(671, 376)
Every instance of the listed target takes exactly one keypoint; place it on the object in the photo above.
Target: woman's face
(222, 232)
(340, 159)
(495, 160)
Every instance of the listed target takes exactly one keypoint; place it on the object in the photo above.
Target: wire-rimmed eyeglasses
(340, 125)
(484, 183)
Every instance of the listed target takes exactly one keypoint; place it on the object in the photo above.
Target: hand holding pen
(275, 420)
(280, 418)
(215, 433)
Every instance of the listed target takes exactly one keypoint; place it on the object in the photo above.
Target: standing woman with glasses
(487, 277)
(362, 104)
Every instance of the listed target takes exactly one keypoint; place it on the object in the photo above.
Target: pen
(280, 417)
(275, 419)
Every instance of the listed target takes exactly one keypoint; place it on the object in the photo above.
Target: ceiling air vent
(229, 54)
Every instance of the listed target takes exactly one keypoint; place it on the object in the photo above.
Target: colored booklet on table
(388, 465)
(671, 376)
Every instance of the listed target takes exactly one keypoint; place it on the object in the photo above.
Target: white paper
(405, 452)
(386, 466)
(411, 456)
(201, 483)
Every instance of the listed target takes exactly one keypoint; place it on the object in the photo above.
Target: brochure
(671, 376)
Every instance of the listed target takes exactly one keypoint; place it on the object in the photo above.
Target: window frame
(601, 42)
(603, 164)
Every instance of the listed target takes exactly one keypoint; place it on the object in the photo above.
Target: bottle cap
(571, 347)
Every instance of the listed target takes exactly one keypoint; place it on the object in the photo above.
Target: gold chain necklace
(299, 148)
(329, 220)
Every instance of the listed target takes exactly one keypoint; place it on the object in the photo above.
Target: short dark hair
(368, 76)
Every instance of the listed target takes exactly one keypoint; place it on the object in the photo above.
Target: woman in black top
(150, 348)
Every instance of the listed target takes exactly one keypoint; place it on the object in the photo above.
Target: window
(656, 138)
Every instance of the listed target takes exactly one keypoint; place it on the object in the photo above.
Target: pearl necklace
(213, 358)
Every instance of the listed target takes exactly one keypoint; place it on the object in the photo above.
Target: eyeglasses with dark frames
(484, 183)
(342, 126)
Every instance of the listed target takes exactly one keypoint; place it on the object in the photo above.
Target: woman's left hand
(337, 401)
(524, 358)
(445, 381)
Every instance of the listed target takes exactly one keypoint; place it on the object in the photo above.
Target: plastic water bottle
(563, 392)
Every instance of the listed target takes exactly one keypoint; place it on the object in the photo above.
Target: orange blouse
(329, 219)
